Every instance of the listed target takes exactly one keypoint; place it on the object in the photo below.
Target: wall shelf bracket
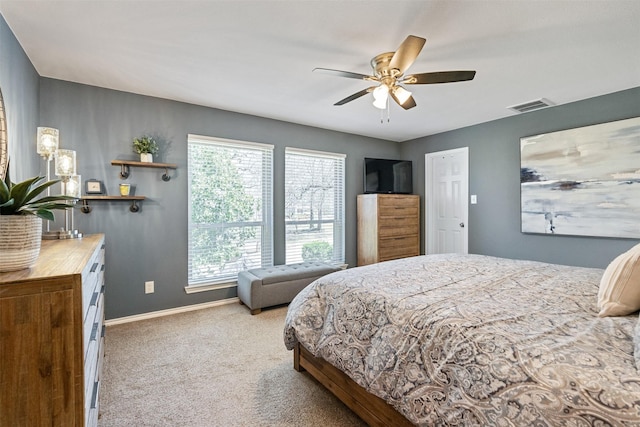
(124, 171)
(126, 164)
(85, 207)
(135, 207)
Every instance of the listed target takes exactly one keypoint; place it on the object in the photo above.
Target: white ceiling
(257, 57)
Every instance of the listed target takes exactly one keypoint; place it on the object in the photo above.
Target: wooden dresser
(388, 227)
(52, 336)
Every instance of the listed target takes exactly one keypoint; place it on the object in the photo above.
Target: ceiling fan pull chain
(388, 111)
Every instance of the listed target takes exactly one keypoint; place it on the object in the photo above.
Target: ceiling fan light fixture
(381, 92)
(380, 96)
(380, 103)
(401, 94)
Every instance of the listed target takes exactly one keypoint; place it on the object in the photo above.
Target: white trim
(294, 150)
(169, 312)
(228, 142)
(193, 289)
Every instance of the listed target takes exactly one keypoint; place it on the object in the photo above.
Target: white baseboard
(170, 311)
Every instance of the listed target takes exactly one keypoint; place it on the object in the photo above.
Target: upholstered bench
(269, 286)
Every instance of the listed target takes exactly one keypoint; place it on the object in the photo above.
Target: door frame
(429, 208)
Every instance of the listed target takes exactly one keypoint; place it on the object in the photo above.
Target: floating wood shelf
(133, 199)
(126, 164)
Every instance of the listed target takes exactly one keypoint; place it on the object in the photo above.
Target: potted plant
(21, 214)
(146, 146)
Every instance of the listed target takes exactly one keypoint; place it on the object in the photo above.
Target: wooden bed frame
(373, 410)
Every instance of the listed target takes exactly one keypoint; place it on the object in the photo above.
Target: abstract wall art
(583, 181)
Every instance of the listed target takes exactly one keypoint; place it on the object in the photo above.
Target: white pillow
(619, 292)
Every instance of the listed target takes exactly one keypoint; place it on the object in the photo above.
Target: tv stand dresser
(388, 227)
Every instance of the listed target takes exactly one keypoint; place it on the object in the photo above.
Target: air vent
(531, 105)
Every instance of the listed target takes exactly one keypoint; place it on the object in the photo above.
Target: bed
(468, 340)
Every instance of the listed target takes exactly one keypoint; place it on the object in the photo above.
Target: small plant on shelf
(146, 146)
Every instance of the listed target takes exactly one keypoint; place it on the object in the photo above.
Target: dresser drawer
(92, 404)
(398, 207)
(399, 247)
(93, 407)
(93, 346)
(400, 241)
(92, 313)
(388, 254)
(398, 211)
(403, 226)
(92, 277)
(387, 200)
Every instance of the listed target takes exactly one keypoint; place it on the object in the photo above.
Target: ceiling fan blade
(409, 103)
(355, 96)
(407, 53)
(347, 74)
(439, 77)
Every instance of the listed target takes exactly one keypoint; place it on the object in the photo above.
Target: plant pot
(20, 239)
(146, 157)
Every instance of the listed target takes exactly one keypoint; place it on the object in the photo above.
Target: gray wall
(152, 244)
(19, 85)
(494, 175)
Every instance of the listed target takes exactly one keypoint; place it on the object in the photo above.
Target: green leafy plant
(145, 144)
(22, 198)
(317, 251)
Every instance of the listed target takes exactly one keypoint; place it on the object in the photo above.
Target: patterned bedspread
(475, 340)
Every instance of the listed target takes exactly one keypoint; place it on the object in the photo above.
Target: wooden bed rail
(373, 410)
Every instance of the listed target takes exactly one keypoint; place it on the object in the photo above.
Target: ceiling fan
(388, 71)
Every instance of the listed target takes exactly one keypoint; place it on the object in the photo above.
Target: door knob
(462, 225)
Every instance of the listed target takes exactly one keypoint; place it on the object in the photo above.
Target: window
(314, 206)
(230, 208)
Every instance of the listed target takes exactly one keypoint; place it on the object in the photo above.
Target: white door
(446, 201)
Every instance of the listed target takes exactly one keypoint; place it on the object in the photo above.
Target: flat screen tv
(388, 176)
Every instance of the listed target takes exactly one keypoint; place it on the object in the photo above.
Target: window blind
(314, 206)
(230, 208)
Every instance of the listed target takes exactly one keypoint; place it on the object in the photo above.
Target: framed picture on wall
(93, 186)
(583, 181)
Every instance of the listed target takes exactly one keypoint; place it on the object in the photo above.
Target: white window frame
(265, 222)
(338, 204)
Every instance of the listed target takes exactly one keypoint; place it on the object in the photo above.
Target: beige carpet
(213, 367)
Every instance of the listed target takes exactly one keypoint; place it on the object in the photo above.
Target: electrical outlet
(149, 287)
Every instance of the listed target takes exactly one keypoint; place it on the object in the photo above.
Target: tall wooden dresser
(52, 336)
(388, 227)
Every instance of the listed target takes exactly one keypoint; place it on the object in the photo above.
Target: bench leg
(256, 311)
